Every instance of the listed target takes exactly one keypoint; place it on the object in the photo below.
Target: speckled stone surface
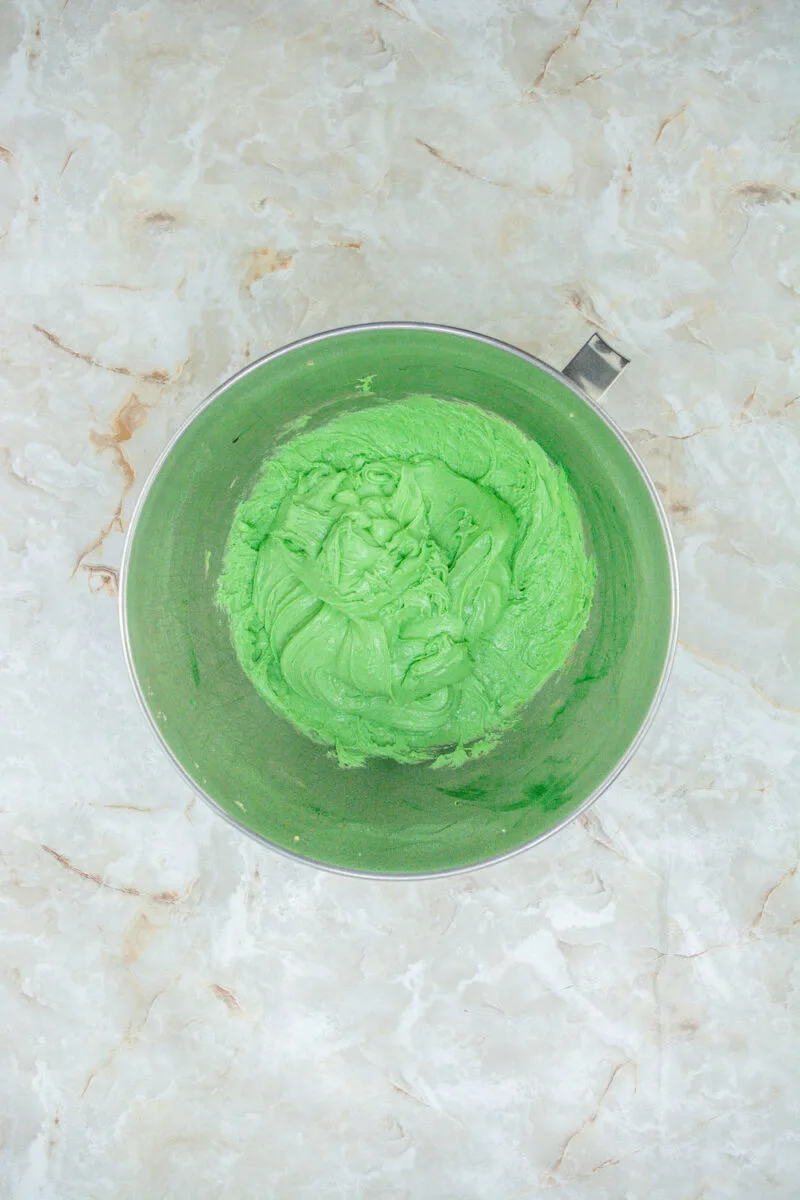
(186, 185)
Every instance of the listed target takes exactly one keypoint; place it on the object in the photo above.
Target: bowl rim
(455, 331)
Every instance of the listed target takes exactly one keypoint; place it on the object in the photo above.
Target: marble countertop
(186, 185)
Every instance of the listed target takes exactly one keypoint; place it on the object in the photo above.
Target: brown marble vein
(159, 218)
(472, 174)
(129, 417)
(124, 287)
(588, 1122)
(410, 1095)
(583, 304)
(679, 437)
(765, 193)
(704, 656)
(591, 823)
(67, 161)
(227, 997)
(139, 808)
(746, 406)
(137, 937)
(668, 121)
(128, 1040)
(102, 578)
(787, 875)
(664, 954)
(91, 877)
(745, 417)
(265, 261)
(568, 37)
(449, 162)
(90, 360)
(384, 4)
(686, 1135)
(396, 12)
(638, 60)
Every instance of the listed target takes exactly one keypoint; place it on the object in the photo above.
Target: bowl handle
(595, 367)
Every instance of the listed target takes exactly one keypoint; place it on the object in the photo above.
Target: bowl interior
(385, 817)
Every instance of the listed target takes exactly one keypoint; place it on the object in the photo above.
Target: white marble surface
(185, 184)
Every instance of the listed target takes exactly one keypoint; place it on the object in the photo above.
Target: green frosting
(405, 578)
